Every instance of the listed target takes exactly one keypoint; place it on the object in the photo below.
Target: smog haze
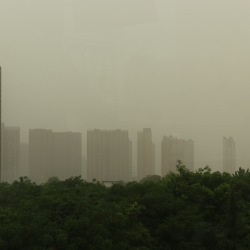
(177, 67)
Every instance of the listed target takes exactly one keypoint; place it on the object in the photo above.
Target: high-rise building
(172, 150)
(130, 162)
(54, 154)
(1, 122)
(229, 155)
(24, 159)
(40, 155)
(145, 154)
(2, 154)
(67, 156)
(109, 155)
(153, 155)
(10, 147)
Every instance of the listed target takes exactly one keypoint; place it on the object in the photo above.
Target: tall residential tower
(40, 155)
(229, 155)
(172, 150)
(145, 154)
(54, 154)
(67, 155)
(0, 123)
(109, 155)
(10, 147)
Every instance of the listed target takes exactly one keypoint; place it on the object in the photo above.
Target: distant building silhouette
(40, 155)
(24, 159)
(1, 123)
(131, 174)
(54, 154)
(10, 147)
(229, 155)
(145, 154)
(172, 150)
(109, 155)
(67, 157)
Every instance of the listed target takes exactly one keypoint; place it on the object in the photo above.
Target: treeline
(183, 210)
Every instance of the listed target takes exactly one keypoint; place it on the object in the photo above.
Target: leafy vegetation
(183, 210)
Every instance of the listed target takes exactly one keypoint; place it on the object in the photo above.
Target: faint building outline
(229, 155)
(172, 150)
(145, 154)
(109, 155)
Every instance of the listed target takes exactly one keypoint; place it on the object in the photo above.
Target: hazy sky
(176, 66)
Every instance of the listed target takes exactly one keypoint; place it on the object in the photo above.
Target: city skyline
(59, 147)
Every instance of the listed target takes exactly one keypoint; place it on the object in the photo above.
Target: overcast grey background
(180, 67)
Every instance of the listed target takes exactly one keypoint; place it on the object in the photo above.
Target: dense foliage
(183, 210)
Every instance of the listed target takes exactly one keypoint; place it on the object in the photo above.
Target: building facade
(172, 150)
(67, 157)
(145, 154)
(2, 150)
(10, 147)
(1, 122)
(229, 155)
(54, 154)
(40, 155)
(109, 155)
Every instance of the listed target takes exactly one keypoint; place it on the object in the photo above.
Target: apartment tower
(67, 156)
(145, 154)
(10, 147)
(229, 155)
(40, 155)
(109, 155)
(172, 150)
(54, 154)
(1, 123)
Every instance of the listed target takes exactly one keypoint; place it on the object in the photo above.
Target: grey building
(54, 154)
(40, 155)
(109, 155)
(67, 156)
(10, 147)
(229, 155)
(1, 122)
(172, 150)
(145, 154)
